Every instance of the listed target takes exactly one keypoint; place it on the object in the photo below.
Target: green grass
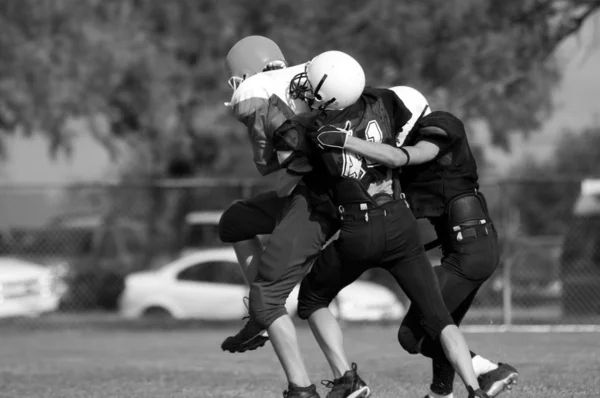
(46, 358)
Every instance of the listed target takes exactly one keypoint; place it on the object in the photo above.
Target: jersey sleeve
(250, 105)
(453, 130)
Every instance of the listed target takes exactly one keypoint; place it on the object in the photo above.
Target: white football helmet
(332, 80)
(417, 105)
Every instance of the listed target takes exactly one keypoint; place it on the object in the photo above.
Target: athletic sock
(482, 365)
(431, 394)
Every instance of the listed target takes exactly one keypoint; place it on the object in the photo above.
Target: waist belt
(378, 201)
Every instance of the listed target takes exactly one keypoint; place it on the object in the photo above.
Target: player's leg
(405, 259)
(294, 243)
(328, 276)
(458, 294)
(240, 224)
(244, 220)
(416, 277)
(308, 238)
(279, 324)
(463, 271)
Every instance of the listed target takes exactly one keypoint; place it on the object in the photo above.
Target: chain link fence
(69, 249)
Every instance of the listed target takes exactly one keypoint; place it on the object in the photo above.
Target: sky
(577, 98)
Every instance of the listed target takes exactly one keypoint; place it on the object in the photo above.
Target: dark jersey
(377, 116)
(430, 186)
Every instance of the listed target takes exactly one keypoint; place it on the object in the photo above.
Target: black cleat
(498, 380)
(350, 385)
(294, 391)
(477, 394)
(251, 337)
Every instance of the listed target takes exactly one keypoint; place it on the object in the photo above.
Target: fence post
(512, 233)
(507, 293)
(246, 189)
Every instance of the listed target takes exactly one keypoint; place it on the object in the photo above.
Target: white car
(207, 284)
(27, 289)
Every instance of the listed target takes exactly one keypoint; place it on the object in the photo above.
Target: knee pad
(231, 224)
(478, 268)
(408, 340)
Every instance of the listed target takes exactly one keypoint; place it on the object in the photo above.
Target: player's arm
(251, 107)
(265, 157)
(388, 155)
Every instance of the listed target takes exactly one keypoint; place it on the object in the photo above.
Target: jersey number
(353, 163)
(373, 133)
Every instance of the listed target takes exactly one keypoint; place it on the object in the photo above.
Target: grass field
(89, 360)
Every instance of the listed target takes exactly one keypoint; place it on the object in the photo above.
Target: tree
(547, 191)
(147, 76)
(483, 59)
(64, 59)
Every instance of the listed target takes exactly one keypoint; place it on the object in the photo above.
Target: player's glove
(332, 136)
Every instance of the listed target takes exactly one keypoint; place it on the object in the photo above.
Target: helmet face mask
(235, 81)
(300, 87)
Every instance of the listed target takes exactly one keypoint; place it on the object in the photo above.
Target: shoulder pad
(396, 108)
(433, 131)
(387, 96)
(444, 121)
(249, 100)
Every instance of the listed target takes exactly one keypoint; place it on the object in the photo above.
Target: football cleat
(350, 385)
(251, 337)
(294, 391)
(498, 380)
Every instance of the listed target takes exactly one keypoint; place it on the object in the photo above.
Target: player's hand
(332, 137)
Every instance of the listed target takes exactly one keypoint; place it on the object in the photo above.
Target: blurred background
(118, 155)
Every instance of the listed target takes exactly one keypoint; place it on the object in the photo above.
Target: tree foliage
(547, 191)
(154, 69)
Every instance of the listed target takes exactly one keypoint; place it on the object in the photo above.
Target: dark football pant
(466, 264)
(384, 237)
(462, 272)
(297, 236)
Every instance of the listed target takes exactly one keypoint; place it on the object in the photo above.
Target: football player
(441, 185)
(297, 214)
(377, 228)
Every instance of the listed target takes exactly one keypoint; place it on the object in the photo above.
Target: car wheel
(157, 313)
